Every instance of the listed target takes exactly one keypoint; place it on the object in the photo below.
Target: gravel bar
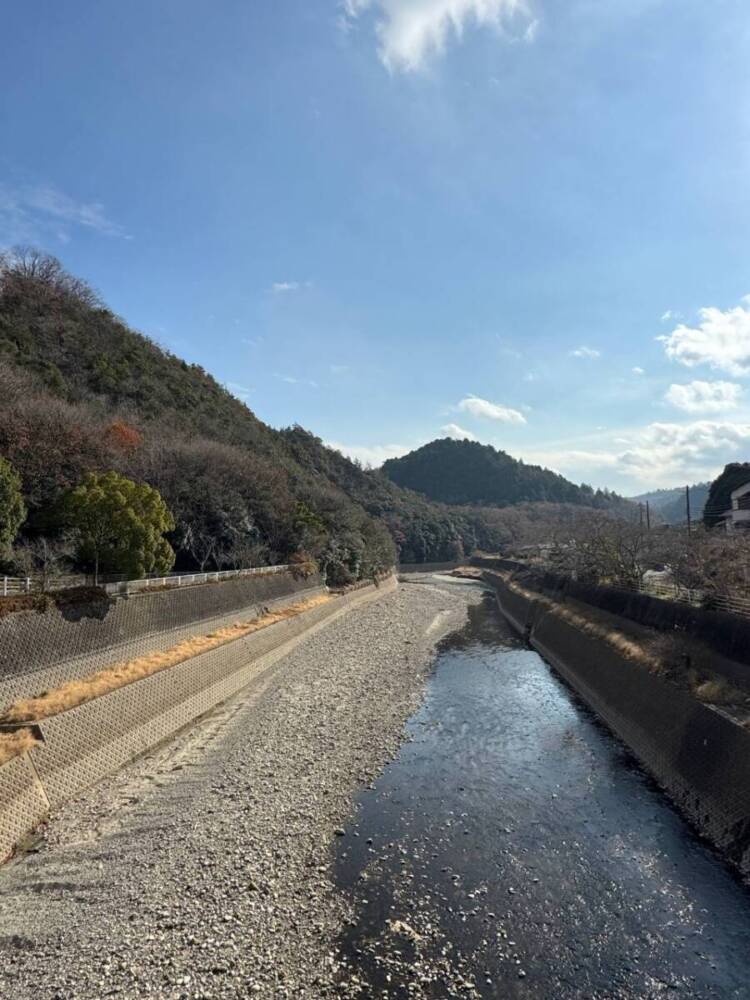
(205, 868)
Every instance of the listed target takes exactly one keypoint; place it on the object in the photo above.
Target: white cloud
(490, 411)
(586, 352)
(704, 397)
(411, 31)
(457, 433)
(661, 454)
(532, 30)
(279, 287)
(41, 212)
(721, 340)
(638, 371)
(374, 454)
(292, 380)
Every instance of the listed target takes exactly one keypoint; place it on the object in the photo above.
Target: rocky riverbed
(205, 869)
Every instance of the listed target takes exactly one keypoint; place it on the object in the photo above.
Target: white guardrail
(11, 585)
(696, 598)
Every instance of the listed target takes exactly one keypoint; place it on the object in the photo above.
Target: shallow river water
(513, 849)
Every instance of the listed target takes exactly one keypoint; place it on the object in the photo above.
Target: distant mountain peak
(470, 473)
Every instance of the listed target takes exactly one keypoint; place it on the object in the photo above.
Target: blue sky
(523, 221)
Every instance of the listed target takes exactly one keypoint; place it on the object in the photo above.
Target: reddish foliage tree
(123, 436)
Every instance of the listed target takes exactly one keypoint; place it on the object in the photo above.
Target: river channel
(514, 849)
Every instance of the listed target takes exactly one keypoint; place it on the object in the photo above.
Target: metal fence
(12, 585)
(732, 604)
(697, 598)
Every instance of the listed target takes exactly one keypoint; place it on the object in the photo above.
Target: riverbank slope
(204, 869)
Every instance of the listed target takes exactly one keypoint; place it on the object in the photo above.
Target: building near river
(738, 517)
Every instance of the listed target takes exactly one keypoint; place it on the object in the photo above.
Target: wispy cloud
(411, 32)
(704, 397)
(638, 370)
(660, 454)
(242, 392)
(486, 410)
(283, 287)
(370, 454)
(721, 340)
(590, 353)
(293, 380)
(457, 433)
(33, 213)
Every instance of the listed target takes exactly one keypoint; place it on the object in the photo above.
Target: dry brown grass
(13, 744)
(658, 659)
(85, 689)
(718, 692)
(617, 640)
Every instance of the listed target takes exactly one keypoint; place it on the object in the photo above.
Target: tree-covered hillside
(669, 506)
(719, 500)
(466, 472)
(82, 392)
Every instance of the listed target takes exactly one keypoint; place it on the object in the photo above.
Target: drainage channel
(514, 849)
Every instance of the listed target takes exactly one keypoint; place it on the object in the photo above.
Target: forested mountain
(719, 500)
(466, 472)
(83, 392)
(670, 505)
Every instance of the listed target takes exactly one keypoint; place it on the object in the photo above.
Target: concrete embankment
(82, 745)
(699, 755)
(41, 650)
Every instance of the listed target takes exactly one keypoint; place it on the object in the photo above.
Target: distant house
(738, 518)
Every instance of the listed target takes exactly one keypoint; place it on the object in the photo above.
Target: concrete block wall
(435, 567)
(698, 755)
(39, 651)
(86, 743)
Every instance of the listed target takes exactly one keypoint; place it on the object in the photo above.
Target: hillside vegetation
(719, 499)
(669, 506)
(83, 393)
(466, 472)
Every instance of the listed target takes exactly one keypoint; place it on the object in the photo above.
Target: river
(514, 849)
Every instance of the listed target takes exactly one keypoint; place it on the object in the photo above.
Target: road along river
(514, 849)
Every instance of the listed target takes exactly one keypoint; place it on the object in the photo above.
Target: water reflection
(513, 850)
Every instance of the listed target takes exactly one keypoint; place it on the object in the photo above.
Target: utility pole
(648, 516)
(687, 507)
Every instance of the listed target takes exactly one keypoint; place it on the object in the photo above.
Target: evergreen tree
(12, 508)
(120, 525)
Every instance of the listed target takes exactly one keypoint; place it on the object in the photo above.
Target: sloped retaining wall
(86, 743)
(39, 651)
(434, 567)
(699, 756)
(723, 632)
